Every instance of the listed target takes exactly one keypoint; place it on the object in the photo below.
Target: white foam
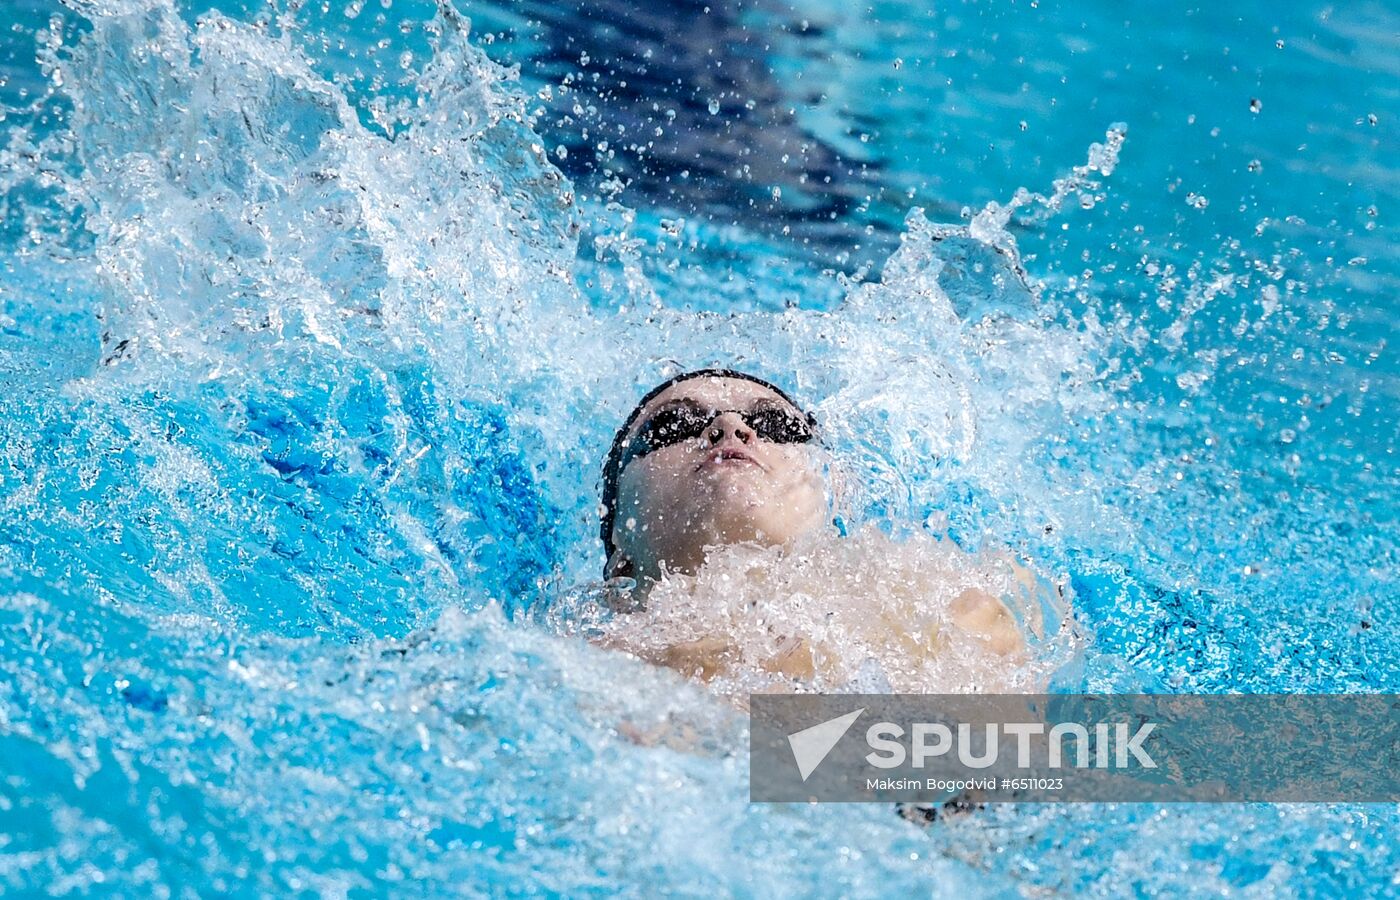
(870, 613)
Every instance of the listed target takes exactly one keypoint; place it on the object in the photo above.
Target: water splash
(351, 385)
(833, 615)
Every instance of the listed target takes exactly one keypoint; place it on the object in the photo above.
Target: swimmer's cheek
(985, 617)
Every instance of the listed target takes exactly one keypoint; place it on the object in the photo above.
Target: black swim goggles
(686, 420)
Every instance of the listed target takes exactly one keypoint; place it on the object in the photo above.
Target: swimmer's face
(713, 461)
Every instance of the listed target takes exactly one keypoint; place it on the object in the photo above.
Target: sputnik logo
(811, 745)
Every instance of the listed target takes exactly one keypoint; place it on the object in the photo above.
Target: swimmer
(718, 530)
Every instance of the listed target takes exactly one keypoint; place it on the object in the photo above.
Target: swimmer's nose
(726, 424)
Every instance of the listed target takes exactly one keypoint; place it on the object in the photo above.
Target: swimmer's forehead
(712, 392)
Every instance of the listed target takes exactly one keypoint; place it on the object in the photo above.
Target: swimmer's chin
(738, 537)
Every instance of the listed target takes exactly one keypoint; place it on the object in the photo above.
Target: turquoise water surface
(317, 319)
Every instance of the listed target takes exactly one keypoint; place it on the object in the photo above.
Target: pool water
(317, 320)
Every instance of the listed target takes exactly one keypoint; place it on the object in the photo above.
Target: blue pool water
(317, 319)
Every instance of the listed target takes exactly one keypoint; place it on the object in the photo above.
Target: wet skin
(727, 486)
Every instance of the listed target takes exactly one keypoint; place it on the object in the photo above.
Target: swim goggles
(686, 420)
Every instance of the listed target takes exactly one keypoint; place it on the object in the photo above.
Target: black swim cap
(612, 469)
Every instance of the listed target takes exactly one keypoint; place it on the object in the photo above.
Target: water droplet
(714, 107)
(1255, 165)
(1279, 43)
(1196, 200)
(1371, 119)
(898, 63)
(1255, 105)
(561, 151)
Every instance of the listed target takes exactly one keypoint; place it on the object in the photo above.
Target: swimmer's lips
(728, 457)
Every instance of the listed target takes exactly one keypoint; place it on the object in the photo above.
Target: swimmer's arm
(986, 616)
(987, 619)
(680, 737)
(711, 656)
(708, 657)
(703, 658)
